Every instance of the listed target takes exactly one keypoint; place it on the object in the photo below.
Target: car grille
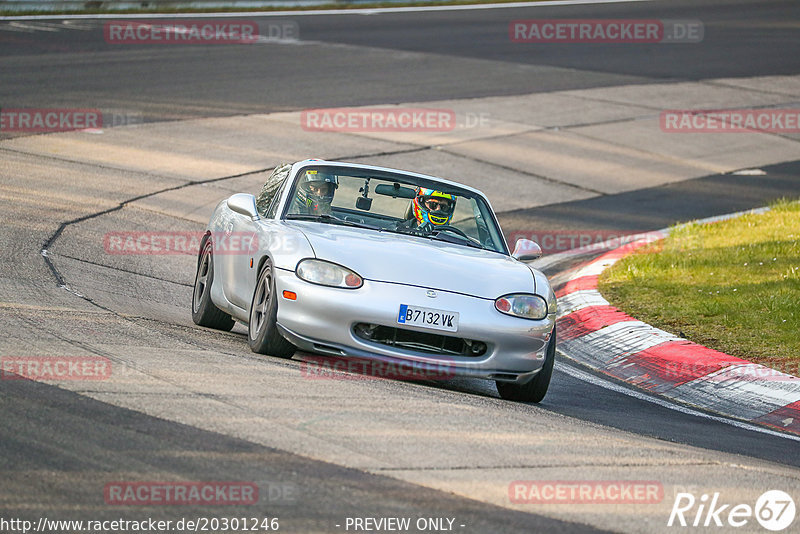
(419, 341)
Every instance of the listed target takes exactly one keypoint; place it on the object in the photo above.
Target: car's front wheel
(536, 389)
(204, 312)
(263, 334)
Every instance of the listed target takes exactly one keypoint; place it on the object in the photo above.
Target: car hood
(417, 261)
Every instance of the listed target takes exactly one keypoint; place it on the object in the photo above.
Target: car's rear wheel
(535, 389)
(204, 312)
(263, 334)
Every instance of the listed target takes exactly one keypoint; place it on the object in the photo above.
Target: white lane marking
(56, 25)
(749, 172)
(362, 11)
(73, 25)
(578, 300)
(738, 390)
(10, 28)
(755, 372)
(613, 340)
(33, 27)
(596, 267)
(628, 337)
(78, 24)
(597, 381)
(15, 26)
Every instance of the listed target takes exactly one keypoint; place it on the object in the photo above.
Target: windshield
(393, 202)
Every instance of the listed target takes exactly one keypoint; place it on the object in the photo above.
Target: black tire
(536, 389)
(204, 312)
(262, 331)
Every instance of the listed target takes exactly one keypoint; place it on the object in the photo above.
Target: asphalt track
(59, 447)
(660, 207)
(81, 443)
(394, 57)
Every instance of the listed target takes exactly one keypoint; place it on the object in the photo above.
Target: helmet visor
(442, 205)
(320, 189)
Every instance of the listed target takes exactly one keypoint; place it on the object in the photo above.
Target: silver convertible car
(362, 262)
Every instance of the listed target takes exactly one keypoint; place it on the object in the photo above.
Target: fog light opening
(367, 331)
(475, 347)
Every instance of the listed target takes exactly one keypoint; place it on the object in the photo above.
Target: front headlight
(522, 305)
(329, 274)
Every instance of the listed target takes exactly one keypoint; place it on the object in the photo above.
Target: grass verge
(733, 286)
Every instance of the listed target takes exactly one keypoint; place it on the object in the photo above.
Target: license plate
(428, 318)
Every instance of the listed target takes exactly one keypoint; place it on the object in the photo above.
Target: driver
(315, 192)
(432, 208)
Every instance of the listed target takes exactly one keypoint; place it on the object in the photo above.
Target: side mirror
(527, 250)
(245, 204)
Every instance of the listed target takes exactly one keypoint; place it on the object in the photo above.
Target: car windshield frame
(410, 180)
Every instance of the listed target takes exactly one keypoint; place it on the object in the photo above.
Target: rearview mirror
(245, 204)
(395, 190)
(527, 250)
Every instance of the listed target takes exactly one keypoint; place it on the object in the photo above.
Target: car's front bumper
(322, 319)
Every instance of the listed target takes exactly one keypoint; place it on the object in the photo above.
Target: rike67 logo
(774, 510)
